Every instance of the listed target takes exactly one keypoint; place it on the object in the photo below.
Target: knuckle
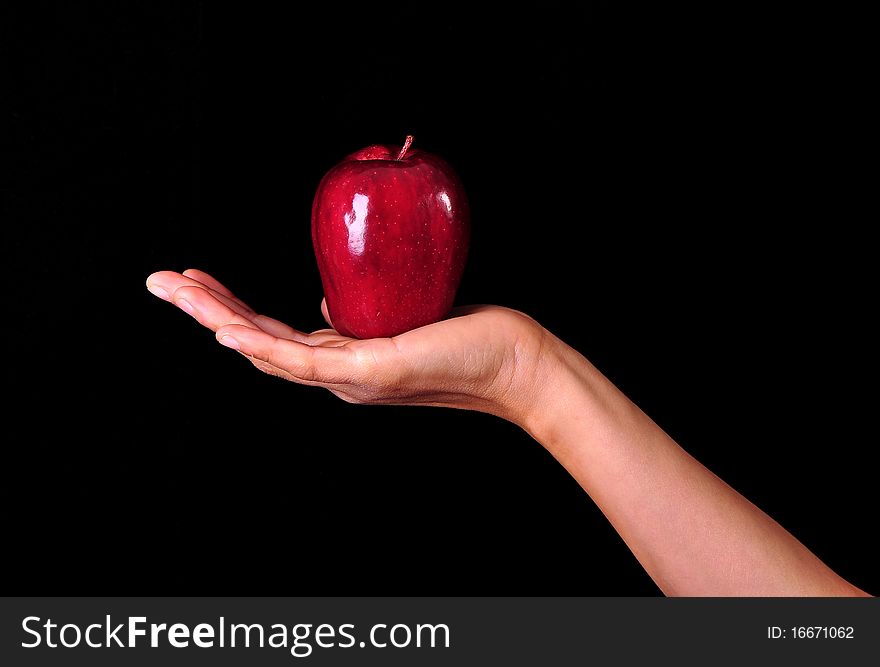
(308, 370)
(373, 380)
(300, 365)
(187, 292)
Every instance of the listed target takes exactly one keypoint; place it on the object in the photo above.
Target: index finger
(210, 281)
(312, 365)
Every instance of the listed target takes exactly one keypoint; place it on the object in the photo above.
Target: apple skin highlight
(390, 228)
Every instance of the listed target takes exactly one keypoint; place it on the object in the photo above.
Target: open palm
(476, 359)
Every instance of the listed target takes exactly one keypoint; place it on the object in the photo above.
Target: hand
(483, 358)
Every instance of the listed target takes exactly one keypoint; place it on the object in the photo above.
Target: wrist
(558, 391)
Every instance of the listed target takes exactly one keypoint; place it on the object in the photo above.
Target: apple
(390, 226)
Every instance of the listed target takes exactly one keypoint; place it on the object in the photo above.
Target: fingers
(212, 283)
(209, 281)
(303, 363)
(213, 311)
(165, 285)
(272, 326)
(207, 308)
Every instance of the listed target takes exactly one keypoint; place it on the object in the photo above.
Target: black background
(655, 186)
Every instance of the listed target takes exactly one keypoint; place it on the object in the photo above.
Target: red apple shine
(390, 227)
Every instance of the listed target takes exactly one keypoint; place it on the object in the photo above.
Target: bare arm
(692, 533)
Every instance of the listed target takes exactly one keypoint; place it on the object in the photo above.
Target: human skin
(693, 534)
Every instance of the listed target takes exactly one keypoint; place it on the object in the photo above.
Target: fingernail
(158, 291)
(185, 306)
(229, 341)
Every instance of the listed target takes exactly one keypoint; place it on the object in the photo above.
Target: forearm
(692, 532)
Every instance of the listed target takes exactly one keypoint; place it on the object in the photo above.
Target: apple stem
(406, 145)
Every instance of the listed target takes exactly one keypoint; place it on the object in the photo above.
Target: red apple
(390, 227)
